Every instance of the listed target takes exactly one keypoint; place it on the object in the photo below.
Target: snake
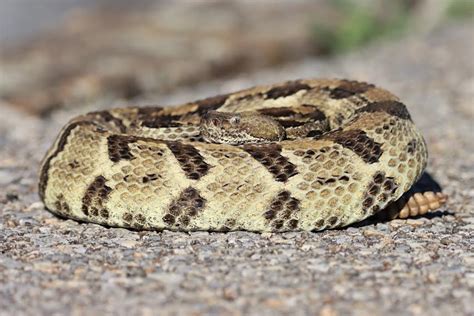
(302, 155)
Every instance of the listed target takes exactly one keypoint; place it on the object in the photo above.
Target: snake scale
(300, 155)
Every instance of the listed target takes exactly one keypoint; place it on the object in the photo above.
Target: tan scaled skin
(311, 155)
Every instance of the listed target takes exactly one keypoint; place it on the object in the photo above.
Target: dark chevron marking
(189, 159)
(184, 208)
(118, 147)
(394, 108)
(95, 197)
(378, 192)
(147, 111)
(349, 88)
(283, 90)
(211, 104)
(152, 117)
(315, 114)
(280, 212)
(270, 156)
(358, 141)
(291, 117)
(62, 207)
(277, 112)
(247, 97)
(291, 123)
(286, 89)
(162, 121)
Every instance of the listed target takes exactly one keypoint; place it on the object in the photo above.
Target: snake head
(240, 128)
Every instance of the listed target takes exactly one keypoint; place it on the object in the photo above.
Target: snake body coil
(345, 151)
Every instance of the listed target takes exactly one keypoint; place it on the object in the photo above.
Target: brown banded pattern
(282, 213)
(117, 146)
(348, 88)
(211, 104)
(378, 192)
(189, 159)
(270, 157)
(148, 168)
(357, 141)
(391, 107)
(286, 89)
(61, 205)
(182, 210)
(93, 202)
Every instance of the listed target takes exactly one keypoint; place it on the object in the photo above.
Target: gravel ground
(422, 266)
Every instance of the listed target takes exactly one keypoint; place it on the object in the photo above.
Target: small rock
(372, 233)
(11, 197)
(36, 206)
(127, 243)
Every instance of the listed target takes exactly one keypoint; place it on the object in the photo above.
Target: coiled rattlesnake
(302, 155)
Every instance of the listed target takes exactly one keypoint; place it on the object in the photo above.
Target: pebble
(35, 207)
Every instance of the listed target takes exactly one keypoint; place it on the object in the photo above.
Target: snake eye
(214, 121)
(234, 120)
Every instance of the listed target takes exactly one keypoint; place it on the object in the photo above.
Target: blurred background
(66, 53)
(61, 58)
